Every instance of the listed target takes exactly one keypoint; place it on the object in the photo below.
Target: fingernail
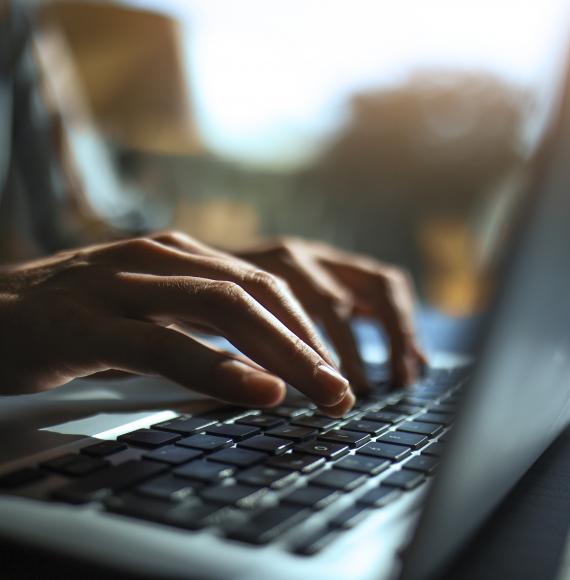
(333, 382)
(342, 408)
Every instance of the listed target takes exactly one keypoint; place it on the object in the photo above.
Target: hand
(121, 305)
(333, 286)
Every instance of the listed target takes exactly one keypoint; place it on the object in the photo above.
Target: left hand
(333, 286)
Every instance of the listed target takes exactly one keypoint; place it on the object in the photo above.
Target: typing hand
(118, 306)
(334, 285)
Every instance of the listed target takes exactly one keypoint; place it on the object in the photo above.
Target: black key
(323, 449)
(385, 450)
(312, 496)
(420, 400)
(205, 442)
(339, 479)
(444, 408)
(420, 428)
(244, 496)
(379, 497)
(287, 412)
(168, 487)
(316, 542)
(262, 421)
(269, 524)
(363, 464)
(351, 438)
(21, 477)
(435, 449)
(401, 438)
(173, 455)
(204, 470)
(349, 517)
(192, 514)
(264, 476)
(436, 418)
(423, 464)
(404, 479)
(314, 422)
(384, 416)
(271, 445)
(148, 438)
(297, 462)
(104, 448)
(185, 425)
(102, 483)
(236, 432)
(401, 408)
(57, 464)
(371, 427)
(82, 466)
(239, 457)
(293, 432)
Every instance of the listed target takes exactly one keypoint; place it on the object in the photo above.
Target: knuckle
(174, 237)
(138, 246)
(226, 292)
(267, 282)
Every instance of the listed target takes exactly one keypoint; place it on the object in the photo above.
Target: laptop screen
(519, 398)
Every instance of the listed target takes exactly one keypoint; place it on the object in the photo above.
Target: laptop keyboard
(252, 476)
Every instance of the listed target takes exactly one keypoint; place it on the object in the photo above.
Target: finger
(341, 408)
(387, 295)
(331, 303)
(234, 314)
(151, 256)
(149, 349)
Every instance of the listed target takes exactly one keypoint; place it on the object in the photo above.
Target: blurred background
(400, 129)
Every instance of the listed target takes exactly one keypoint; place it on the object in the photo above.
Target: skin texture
(132, 306)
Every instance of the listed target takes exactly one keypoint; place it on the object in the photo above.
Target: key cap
(420, 428)
(401, 438)
(379, 497)
(102, 483)
(74, 465)
(104, 448)
(173, 455)
(185, 425)
(314, 422)
(297, 462)
(323, 448)
(261, 421)
(339, 479)
(293, 432)
(244, 496)
(81, 466)
(236, 432)
(21, 477)
(371, 427)
(384, 417)
(168, 487)
(287, 412)
(404, 479)
(271, 445)
(435, 449)
(316, 542)
(148, 438)
(401, 408)
(423, 464)
(444, 408)
(363, 464)
(349, 517)
(239, 457)
(264, 476)
(207, 471)
(385, 450)
(205, 442)
(269, 524)
(436, 418)
(350, 438)
(312, 497)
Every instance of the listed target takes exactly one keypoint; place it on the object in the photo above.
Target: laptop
(393, 490)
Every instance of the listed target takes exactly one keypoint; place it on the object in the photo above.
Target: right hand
(117, 305)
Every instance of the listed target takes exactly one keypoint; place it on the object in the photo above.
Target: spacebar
(102, 483)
